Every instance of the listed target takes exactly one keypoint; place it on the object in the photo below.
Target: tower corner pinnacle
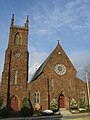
(26, 23)
(12, 20)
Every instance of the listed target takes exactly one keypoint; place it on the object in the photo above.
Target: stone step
(64, 111)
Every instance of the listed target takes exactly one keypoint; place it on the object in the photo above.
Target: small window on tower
(18, 39)
(15, 77)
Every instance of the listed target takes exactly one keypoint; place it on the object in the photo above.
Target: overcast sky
(49, 21)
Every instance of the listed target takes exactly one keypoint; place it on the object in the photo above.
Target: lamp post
(88, 89)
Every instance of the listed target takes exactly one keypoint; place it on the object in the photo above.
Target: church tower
(15, 72)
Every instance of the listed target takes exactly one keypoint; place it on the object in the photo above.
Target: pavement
(66, 114)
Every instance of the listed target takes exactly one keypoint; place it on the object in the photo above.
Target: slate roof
(40, 69)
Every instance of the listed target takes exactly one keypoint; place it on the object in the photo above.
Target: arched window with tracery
(18, 39)
(37, 97)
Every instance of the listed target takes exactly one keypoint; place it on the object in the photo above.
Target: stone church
(54, 79)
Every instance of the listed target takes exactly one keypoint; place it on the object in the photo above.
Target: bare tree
(87, 78)
(87, 72)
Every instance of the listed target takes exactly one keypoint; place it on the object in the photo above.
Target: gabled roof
(40, 69)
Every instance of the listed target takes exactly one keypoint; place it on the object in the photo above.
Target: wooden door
(61, 101)
(14, 104)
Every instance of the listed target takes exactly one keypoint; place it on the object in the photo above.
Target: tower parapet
(26, 26)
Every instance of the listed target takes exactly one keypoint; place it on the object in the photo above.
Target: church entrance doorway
(61, 101)
(14, 104)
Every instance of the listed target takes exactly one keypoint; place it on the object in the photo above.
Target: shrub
(88, 109)
(82, 103)
(25, 102)
(54, 105)
(3, 112)
(26, 108)
(25, 111)
(73, 104)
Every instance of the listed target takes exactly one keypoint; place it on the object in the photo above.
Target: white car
(47, 112)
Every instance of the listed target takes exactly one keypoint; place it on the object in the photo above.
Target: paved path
(77, 116)
(65, 112)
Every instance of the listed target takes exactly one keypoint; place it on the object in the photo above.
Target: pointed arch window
(82, 96)
(18, 39)
(37, 97)
(15, 77)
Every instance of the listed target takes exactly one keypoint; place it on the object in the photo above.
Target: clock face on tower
(17, 54)
(60, 69)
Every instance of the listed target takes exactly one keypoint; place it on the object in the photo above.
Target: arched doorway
(61, 101)
(14, 104)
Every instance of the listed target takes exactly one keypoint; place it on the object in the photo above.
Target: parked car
(47, 112)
